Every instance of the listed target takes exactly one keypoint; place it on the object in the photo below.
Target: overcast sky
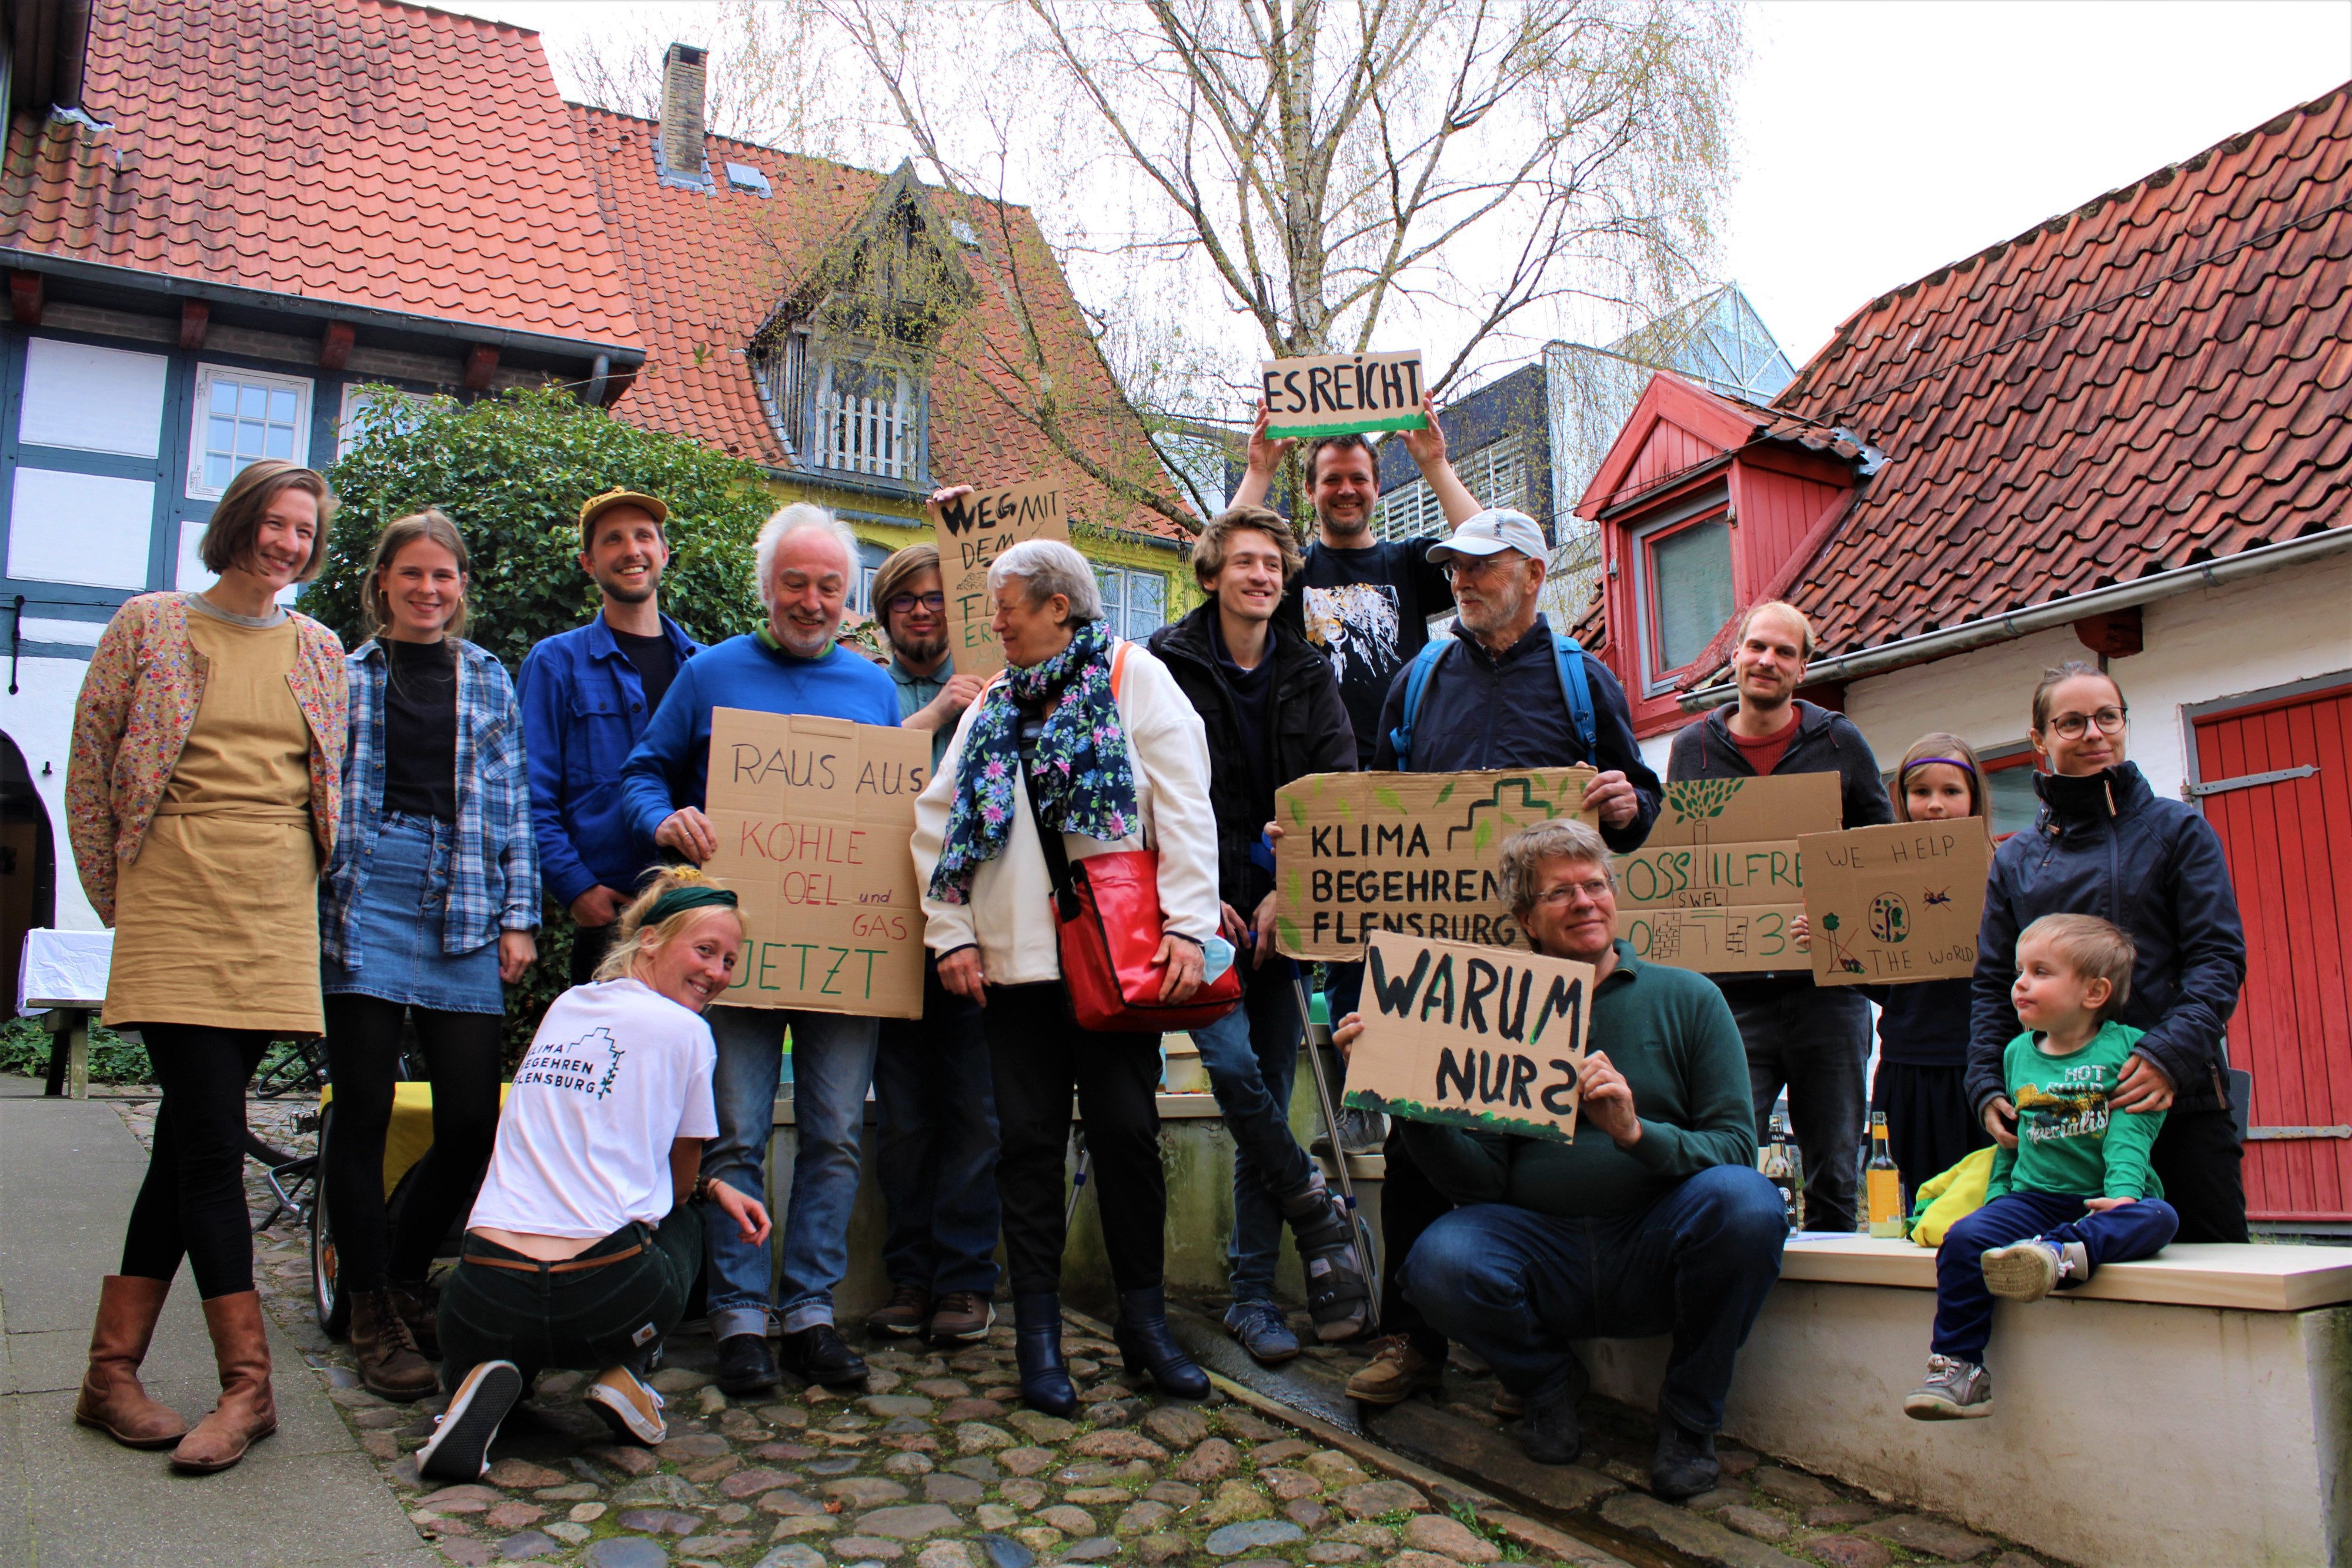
(1880, 139)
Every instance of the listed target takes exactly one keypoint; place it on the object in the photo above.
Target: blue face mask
(1217, 955)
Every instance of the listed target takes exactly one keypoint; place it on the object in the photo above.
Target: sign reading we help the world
(1332, 394)
(973, 530)
(1717, 881)
(1471, 1036)
(1897, 904)
(1409, 852)
(814, 818)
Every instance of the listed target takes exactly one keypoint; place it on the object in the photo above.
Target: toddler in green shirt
(2076, 1190)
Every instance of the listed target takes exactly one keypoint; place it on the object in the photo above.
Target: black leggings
(462, 1059)
(191, 1204)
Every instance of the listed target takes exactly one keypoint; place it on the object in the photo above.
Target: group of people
(400, 816)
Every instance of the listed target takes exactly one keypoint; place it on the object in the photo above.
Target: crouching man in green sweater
(1654, 1220)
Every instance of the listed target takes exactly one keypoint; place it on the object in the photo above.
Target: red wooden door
(2289, 843)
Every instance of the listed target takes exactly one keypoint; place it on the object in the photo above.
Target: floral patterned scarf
(1079, 773)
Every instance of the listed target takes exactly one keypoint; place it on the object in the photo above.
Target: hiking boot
(1684, 1464)
(1360, 1133)
(1262, 1331)
(2030, 1270)
(390, 1363)
(1395, 1374)
(420, 1309)
(1551, 1432)
(963, 1317)
(1956, 1390)
(744, 1365)
(818, 1353)
(633, 1410)
(1507, 1405)
(1337, 1296)
(459, 1448)
(909, 1309)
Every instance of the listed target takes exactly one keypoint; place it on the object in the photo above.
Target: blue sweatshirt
(671, 765)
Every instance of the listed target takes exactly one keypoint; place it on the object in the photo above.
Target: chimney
(681, 114)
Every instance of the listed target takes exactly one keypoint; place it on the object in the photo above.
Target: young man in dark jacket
(1273, 713)
(1814, 1041)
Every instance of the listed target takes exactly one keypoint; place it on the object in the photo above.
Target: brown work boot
(112, 1399)
(413, 1301)
(909, 1306)
(389, 1365)
(962, 1316)
(1395, 1374)
(248, 1412)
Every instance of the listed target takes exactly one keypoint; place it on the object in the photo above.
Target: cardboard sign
(973, 530)
(1409, 852)
(1471, 1037)
(1331, 395)
(1719, 878)
(815, 818)
(1898, 903)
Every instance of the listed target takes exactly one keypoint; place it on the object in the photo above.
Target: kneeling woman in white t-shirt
(582, 1245)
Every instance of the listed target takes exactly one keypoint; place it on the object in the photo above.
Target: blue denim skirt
(401, 915)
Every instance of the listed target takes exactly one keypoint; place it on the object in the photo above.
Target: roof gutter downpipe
(2056, 612)
(594, 396)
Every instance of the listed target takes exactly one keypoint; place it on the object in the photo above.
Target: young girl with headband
(588, 1231)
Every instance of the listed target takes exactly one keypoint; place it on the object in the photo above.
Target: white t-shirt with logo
(615, 1075)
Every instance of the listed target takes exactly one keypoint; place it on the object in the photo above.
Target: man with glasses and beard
(587, 695)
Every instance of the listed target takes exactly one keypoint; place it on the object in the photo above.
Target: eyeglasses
(1461, 566)
(1559, 897)
(900, 603)
(2070, 725)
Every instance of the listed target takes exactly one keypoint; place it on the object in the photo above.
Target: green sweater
(1671, 1033)
(2066, 1142)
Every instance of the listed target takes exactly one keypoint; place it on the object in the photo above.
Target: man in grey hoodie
(1815, 1042)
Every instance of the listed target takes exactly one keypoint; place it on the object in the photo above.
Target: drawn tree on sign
(1700, 800)
(1840, 952)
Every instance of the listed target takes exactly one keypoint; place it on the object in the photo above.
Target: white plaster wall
(39, 719)
(2265, 631)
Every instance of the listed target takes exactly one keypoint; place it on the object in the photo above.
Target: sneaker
(1551, 1432)
(1262, 1331)
(744, 1365)
(1361, 1132)
(1685, 1463)
(909, 1309)
(1395, 1374)
(1956, 1390)
(459, 1448)
(2030, 1270)
(633, 1410)
(963, 1317)
(818, 1353)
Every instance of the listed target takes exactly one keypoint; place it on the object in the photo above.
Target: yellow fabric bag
(1955, 1195)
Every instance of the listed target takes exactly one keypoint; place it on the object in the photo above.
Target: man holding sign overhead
(1652, 1221)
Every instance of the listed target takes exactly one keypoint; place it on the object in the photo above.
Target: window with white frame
(1496, 475)
(375, 410)
(866, 418)
(1684, 589)
(1135, 603)
(242, 415)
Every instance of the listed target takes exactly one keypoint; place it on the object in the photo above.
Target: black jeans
(1814, 1041)
(935, 1145)
(191, 1204)
(2199, 1161)
(1038, 1056)
(462, 1059)
(586, 1318)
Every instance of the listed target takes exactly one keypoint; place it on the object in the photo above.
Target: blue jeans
(1516, 1286)
(935, 1136)
(1814, 1040)
(1963, 1305)
(1252, 1058)
(832, 1063)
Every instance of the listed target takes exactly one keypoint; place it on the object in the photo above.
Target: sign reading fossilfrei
(1410, 852)
(973, 530)
(1331, 395)
(1471, 1036)
(1717, 881)
(814, 818)
(1897, 904)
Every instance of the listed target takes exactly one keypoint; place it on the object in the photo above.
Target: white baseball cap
(1492, 532)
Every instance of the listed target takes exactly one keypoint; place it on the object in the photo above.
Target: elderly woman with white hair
(807, 563)
(1094, 740)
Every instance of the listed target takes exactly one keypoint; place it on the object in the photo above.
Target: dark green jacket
(1671, 1033)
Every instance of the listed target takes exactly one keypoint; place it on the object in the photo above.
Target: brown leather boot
(112, 1399)
(389, 1364)
(416, 1303)
(248, 1412)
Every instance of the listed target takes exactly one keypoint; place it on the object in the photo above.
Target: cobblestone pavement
(938, 1465)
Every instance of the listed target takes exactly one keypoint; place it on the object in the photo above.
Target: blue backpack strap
(1569, 653)
(1416, 682)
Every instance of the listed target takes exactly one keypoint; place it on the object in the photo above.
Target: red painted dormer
(1706, 504)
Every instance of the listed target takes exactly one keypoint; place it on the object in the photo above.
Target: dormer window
(842, 410)
(1683, 588)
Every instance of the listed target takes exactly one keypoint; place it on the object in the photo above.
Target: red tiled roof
(708, 267)
(2153, 379)
(358, 151)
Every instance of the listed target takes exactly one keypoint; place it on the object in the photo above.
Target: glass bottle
(1884, 1181)
(1779, 1162)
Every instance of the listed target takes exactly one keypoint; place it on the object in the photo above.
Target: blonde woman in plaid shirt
(428, 906)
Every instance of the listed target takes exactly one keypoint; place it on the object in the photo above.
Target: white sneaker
(633, 1410)
(459, 1448)
(2030, 1270)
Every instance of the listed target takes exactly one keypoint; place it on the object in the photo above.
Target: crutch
(1078, 1180)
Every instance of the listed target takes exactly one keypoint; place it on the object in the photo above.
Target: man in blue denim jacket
(587, 695)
